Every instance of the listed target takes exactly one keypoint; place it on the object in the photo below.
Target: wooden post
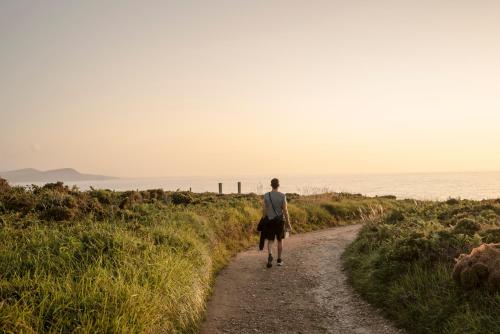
(239, 187)
(220, 188)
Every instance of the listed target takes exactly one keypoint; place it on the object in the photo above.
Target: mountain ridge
(53, 175)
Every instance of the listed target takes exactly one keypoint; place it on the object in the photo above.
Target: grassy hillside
(103, 261)
(403, 264)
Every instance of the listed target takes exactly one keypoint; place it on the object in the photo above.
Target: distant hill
(63, 174)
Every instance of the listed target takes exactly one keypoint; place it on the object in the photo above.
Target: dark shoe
(270, 261)
(280, 262)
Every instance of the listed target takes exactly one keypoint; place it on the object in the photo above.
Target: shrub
(341, 210)
(103, 196)
(129, 199)
(4, 185)
(157, 194)
(406, 268)
(290, 197)
(467, 226)
(181, 198)
(57, 213)
(56, 205)
(394, 217)
(480, 268)
(57, 186)
(491, 235)
(387, 197)
(19, 200)
(92, 206)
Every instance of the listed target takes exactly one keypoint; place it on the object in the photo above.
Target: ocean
(431, 186)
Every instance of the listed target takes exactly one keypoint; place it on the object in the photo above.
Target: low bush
(103, 196)
(4, 185)
(453, 201)
(491, 235)
(19, 200)
(467, 226)
(481, 268)
(394, 217)
(181, 198)
(403, 263)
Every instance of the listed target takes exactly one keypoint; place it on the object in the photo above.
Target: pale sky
(165, 88)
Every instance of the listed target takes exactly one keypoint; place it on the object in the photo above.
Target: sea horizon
(422, 185)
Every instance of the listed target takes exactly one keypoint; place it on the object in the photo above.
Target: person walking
(275, 208)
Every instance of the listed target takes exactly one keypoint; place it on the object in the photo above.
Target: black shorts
(275, 229)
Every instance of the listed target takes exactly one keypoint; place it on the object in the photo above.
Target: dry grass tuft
(479, 268)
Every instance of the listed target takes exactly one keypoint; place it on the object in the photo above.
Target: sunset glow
(241, 88)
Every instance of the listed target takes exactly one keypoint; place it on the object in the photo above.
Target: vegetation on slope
(136, 261)
(403, 264)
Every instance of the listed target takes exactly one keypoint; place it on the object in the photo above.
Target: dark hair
(275, 183)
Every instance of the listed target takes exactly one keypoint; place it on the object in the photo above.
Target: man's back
(278, 199)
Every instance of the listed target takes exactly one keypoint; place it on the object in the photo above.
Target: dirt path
(309, 294)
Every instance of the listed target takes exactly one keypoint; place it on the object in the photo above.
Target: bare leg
(270, 250)
(280, 248)
(270, 246)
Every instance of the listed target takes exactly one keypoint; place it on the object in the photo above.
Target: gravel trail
(309, 294)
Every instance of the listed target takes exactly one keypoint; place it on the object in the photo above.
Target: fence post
(239, 187)
(220, 188)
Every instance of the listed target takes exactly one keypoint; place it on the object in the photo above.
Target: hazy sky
(158, 88)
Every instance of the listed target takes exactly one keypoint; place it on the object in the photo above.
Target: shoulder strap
(269, 193)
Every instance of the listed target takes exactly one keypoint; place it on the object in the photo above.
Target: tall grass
(403, 264)
(104, 261)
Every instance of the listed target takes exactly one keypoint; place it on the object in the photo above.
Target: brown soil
(309, 294)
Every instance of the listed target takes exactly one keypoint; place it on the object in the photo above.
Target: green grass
(104, 261)
(403, 264)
